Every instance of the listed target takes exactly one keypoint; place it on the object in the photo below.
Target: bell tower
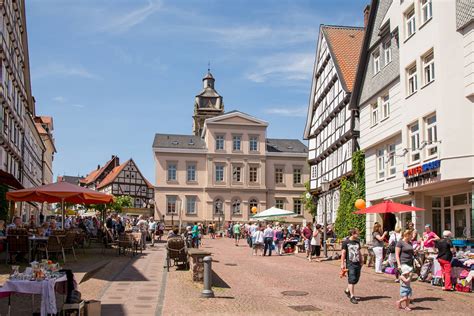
(208, 103)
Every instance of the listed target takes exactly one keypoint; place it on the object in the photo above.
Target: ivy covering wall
(352, 188)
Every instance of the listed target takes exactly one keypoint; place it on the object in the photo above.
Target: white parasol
(273, 212)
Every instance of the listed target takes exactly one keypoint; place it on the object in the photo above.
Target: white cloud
(62, 70)
(259, 35)
(287, 68)
(288, 111)
(78, 106)
(59, 99)
(124, 22)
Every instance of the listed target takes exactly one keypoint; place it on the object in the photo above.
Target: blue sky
(112, 73)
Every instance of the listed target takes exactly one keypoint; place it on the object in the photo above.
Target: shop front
(447, 202)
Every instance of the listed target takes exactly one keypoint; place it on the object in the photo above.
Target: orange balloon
(254, 209)
(360, 204)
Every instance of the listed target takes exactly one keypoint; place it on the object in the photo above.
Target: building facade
(45, 127)
(331, 127)
(22, 149)
(15, 89)
(416, 112)
(121, 179)
(220, 175)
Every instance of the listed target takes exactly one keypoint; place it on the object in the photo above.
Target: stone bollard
(207, 291)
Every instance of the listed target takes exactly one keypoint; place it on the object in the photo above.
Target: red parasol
(60, 192)
(388, 207)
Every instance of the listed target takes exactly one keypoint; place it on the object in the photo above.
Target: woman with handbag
(392, 243)
(377, 246)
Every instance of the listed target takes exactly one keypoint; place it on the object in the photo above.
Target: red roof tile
(112, 175)
(345, 44)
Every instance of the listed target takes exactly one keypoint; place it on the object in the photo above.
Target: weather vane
(209, 66)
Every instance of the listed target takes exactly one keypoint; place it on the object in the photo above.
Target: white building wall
(445, 95)
(468, 41)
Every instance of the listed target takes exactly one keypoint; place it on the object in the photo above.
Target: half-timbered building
(126, 179)
(331, 126)
(122, 179)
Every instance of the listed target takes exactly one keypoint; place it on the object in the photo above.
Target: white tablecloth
(45, 288)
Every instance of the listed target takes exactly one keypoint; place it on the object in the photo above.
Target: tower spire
(209, 66)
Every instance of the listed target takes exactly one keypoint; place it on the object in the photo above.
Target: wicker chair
(176, 253)
(109, 240)
(17, 244)
(68, 243)
(137, 242)
(52, 246)
(126, 242)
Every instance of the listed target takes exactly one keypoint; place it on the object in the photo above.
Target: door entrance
(389, 222)
(462, 227)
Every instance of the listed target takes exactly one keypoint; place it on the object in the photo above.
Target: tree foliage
(121, 202)
(352, 188)
(308, 201)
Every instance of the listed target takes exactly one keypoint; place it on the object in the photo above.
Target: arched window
(218, 206)
(236, 206)
(252, 203)
(335, 202)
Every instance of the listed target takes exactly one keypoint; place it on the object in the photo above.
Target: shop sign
(426, 171)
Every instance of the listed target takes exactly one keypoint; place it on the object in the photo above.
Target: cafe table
(45, 288)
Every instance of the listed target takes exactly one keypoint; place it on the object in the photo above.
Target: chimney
(366, 15)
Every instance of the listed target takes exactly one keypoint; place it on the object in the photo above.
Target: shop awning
(9, 180)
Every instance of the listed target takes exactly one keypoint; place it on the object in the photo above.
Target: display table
(45, 288)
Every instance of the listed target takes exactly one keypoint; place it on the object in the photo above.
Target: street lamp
(324, 189)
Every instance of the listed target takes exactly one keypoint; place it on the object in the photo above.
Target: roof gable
(344, 44)
(237, 117)
(119, 170)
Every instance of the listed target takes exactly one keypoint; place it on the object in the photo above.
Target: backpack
(393, 244)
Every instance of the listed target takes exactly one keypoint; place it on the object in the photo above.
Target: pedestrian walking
(237, 231)
(445, 255)
(252, 228)
(429, 238)
(195, 235)
(406, 291)
(351, 260)
(268, 240)
(212, 230)
(378, 245)
(307, 234)
(258, 240)
(152, 230)
(278, 240)
(392, 244)
(316, 242)
(161, 230)
(404, 250)
(142, 227)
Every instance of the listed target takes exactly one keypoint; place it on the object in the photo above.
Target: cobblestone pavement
(255, 285)
(135, 289)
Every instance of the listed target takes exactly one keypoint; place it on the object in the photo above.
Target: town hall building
(226, 167)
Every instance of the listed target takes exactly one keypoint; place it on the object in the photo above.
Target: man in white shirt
(268, 240)
(152, 230)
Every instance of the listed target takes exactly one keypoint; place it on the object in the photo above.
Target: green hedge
(352, 188)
